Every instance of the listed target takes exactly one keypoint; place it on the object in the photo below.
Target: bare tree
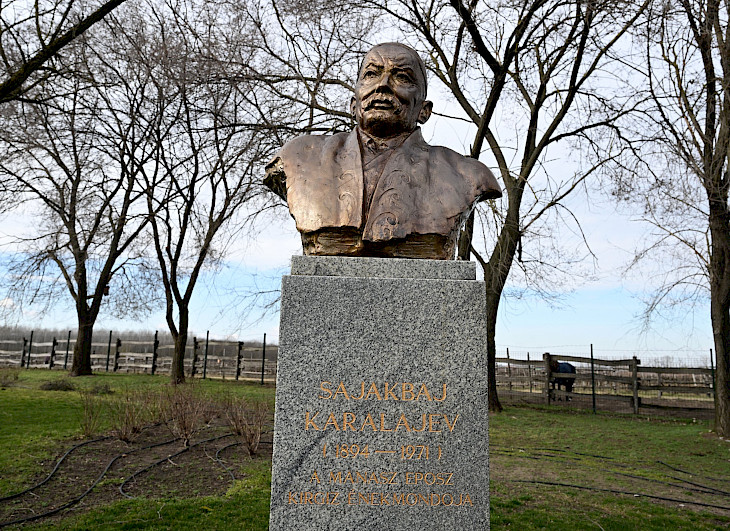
(679, 175)
(33, 33)
(535, 63)
(203, 183)
(74, 161)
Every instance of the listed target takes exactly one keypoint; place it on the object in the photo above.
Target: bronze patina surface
(380, 190)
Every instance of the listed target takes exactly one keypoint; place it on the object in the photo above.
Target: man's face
(390, 92)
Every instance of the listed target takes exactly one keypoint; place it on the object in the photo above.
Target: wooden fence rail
(607, 384)
(203, 358)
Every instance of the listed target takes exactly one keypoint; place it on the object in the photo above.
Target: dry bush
(128, 416)
(247, 419)
(57, 385)
(184, 410)
(9, 376)
(91, 408)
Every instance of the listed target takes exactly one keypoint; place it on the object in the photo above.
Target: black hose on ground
(76, 500)
(145, 469)
(614, 491)
(58, 464)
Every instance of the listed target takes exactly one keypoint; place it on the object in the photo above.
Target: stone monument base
(381, 399)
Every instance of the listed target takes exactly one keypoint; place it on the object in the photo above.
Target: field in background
(550, 468)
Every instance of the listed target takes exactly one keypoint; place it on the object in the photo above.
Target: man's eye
(405, 78)
(369, 74)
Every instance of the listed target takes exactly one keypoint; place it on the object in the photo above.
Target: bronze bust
(380, 190)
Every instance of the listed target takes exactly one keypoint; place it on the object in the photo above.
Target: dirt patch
(155, 465)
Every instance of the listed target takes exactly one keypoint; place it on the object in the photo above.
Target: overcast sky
(602, 312)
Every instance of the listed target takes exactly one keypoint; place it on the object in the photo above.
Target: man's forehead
(395, 55)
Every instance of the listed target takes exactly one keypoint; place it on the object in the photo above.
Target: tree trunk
(720, 310)
(177, 369)
(492, 306)
(81, 364)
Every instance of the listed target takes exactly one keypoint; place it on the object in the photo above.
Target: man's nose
(384, 84)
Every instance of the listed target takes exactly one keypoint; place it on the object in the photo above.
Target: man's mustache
(371, 100)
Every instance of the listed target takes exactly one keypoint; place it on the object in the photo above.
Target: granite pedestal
(381, 399)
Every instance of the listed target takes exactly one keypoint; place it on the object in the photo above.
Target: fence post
(116, 355)
(546, 359)
(30, 346)
(635, 379)
(22, 354)
(154, 353)
(196, 346)
(712, 375)
(108, 351)
(263, 359)
(53, 353)
(529, 371)
(205, 357)
(238, 360)
(68, 344)
(509, 372)
(593, 381)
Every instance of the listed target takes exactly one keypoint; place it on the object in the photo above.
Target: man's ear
(352, 108)
(425, 113)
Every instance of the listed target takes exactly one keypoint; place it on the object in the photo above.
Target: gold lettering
(443, 397)
(389, 391)
(322, 386)
(423, 391)
(402, 422)
(341, 391)
(382, 422)
(369, 421)
(346, 423)
(373, 389)
(397, 499)
(431, 424)
(362, 392)
(308, 497)
(467, 499)
(333, 500)
(407, 390)
(349, 498)
(331, 420)
(293, 498)
(423, 427)
(310, 420)
(314, 477)
(335, 478)
(448, 425)
(448, 481)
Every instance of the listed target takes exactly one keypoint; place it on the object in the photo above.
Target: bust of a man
(380, 190)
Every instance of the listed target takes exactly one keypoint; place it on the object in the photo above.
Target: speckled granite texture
(345, 266)
(381, 401)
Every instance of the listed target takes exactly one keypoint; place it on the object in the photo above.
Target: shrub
(184, 410)
(57, 385)
(9, 376)
(247, 419)
(128, 416)
(91, 407)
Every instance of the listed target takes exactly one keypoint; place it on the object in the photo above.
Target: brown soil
(195, 472)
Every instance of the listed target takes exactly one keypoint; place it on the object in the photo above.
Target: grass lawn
(550, 468)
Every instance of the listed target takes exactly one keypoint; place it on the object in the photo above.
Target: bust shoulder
(472, 170)
(309, 146)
